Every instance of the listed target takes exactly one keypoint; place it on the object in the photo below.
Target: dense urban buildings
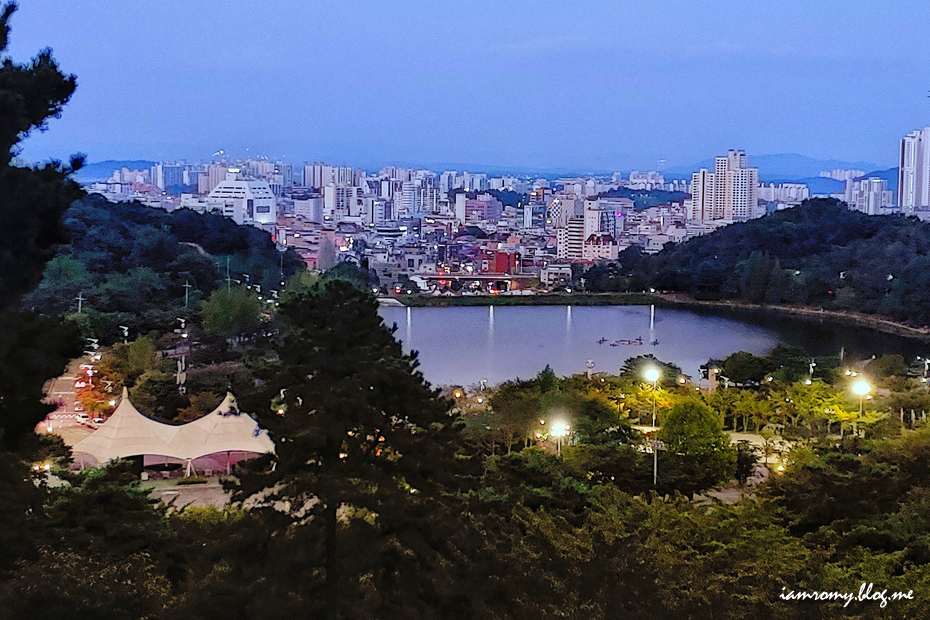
(465, 232)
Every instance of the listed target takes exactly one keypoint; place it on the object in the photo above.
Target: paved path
(208, 494)
(64, 420)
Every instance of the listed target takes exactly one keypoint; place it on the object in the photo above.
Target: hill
(818, 254)
(130, 262)
(890, 175)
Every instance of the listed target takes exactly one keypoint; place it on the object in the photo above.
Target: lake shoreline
(879, 324)
(546, 299)
(672, 300)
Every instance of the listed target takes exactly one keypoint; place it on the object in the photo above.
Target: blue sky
(523, 84)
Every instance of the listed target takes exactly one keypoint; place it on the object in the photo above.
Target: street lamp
(861, 388)
(652, 374)
(560, 430)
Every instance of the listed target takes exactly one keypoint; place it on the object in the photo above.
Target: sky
(608, 85)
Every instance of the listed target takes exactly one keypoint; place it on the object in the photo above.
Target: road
(64, 421)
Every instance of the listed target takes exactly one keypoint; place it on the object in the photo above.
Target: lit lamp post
(652, 374)
(862, 389)
(560, 430)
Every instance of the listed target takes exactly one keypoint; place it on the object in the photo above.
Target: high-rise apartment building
(340, 202)
(700, 206)
(868, 195)
(447, 181)
(408, 201)
(914, 172)
(166, 176)
(730, 192)
(216, 174)
(570, 239)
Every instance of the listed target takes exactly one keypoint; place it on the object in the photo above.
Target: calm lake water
(463, 345)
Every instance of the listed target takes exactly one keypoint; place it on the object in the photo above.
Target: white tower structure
(914, 172)
(246, 201)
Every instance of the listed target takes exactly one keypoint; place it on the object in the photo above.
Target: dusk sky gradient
(520, 84)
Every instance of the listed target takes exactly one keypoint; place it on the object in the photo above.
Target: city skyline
(519, 86)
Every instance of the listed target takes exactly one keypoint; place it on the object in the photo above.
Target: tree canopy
(820, 253)
(354, 422)
(32, 201)
(129, 259)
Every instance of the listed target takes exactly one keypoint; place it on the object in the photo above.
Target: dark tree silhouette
(32, 201)
(354, 423)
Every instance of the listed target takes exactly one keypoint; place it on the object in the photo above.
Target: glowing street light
(560, 430)
(652, 374)
(861, 388)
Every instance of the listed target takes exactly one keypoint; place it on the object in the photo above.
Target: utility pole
(187, 290)
(228, 279)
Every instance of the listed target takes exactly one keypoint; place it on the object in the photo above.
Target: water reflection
(466, 344)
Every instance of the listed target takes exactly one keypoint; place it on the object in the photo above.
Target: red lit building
(496, 261)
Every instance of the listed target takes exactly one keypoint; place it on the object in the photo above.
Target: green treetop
(354, 423)
(32, 201)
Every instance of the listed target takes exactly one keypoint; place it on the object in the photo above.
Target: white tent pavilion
(223, 437)
(216, 441)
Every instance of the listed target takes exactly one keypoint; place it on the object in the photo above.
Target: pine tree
(355, 424)
(32, 202)
(32, 348)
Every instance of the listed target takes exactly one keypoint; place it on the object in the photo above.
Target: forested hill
(126, 258)
(819, 254)
(644, 199)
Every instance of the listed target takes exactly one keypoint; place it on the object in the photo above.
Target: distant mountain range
(825, 186)
(890, 175)
(100, 171)
(782, 167)
(785, 168)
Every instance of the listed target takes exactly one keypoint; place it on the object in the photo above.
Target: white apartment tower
(730, 192)
(700, 207)
(914, 172)
(570, 240)
(319, 175)
(869, 196)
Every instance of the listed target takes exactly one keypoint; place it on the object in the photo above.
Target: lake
(463, 345)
